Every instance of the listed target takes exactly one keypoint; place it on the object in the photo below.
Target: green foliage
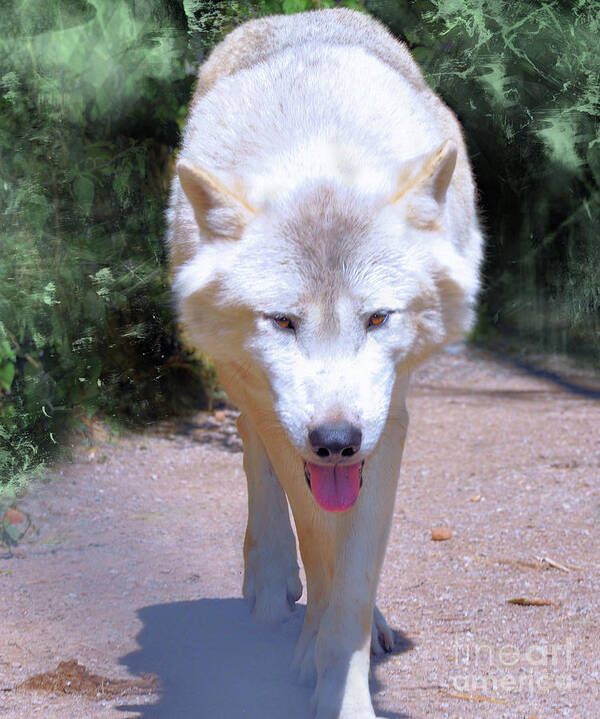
(210, 20)
(524, 78)
(91, 94)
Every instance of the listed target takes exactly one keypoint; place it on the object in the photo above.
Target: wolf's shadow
(215, 661)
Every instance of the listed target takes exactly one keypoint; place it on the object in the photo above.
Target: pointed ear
(437, 171)
(424, 182)
(218, 210)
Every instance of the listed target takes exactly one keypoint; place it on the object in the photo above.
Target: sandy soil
(132, 565)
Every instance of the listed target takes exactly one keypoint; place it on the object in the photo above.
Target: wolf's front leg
(271, 581)
(342, 651)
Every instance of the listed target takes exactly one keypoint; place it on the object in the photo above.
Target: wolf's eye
(377, 318)
(283, 322)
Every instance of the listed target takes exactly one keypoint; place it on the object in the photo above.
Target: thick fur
(321, 179)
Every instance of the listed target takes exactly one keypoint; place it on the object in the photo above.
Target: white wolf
(324, 239)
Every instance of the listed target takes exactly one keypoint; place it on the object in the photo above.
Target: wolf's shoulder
(256, 41)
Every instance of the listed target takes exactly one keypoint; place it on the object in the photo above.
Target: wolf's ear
(424, 181)
(218, 210)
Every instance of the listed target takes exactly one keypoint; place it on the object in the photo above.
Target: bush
(91, 97)
(524, 80)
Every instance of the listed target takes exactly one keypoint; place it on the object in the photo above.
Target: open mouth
(335, 487)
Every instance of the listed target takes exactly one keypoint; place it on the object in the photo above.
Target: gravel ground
(131, 565)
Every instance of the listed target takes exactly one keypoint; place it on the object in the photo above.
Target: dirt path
(133, 565)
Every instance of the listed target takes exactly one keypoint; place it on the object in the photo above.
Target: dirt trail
(133, 566)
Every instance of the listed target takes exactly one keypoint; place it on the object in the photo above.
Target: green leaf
(7, 374)
(6, 351)
(48, 294)
(291, 6)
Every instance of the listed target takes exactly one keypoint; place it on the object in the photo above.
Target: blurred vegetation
(524, 79)
(93, 96)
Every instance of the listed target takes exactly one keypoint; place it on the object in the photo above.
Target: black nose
(332, 441)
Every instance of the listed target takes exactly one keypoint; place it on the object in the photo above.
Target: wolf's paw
(272, 591)
(351, 691)
(382, 637)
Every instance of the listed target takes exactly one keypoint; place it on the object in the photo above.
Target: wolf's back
(258, 40)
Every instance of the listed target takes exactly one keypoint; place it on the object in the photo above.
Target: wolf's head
(323, 296)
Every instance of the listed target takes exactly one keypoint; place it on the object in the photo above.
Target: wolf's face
(323, 297)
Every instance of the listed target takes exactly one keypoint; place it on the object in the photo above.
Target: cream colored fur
(321, 179)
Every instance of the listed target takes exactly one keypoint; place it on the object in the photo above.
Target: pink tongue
(335, 487)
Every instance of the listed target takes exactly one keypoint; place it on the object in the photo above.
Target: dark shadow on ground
(571, 385)
(516, 394)
(215, 661)
(577, 382)
(401, 644)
